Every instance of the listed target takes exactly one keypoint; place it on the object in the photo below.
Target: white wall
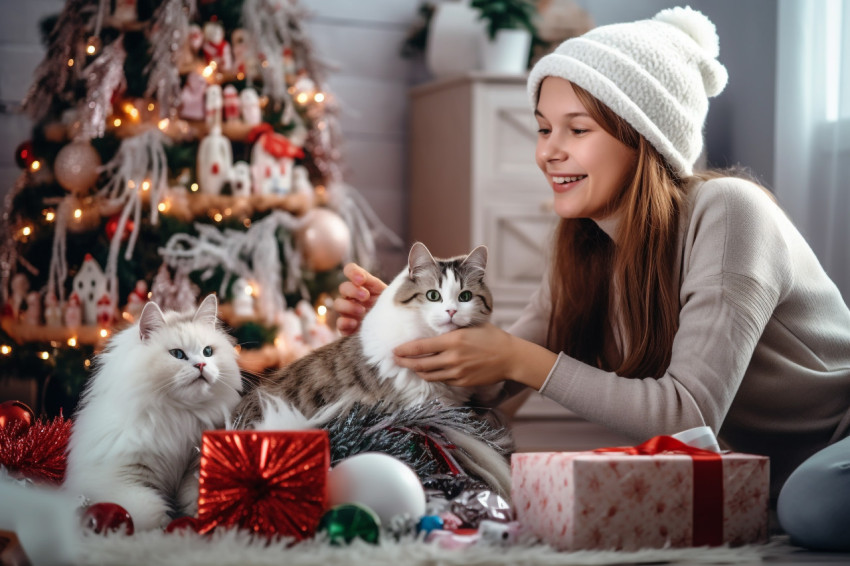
(363, 38)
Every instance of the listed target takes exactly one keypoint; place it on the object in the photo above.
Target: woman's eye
(465, 296)
(208, 351)
(578, 131)
(543, 131)
(433, 295)
(179, 354)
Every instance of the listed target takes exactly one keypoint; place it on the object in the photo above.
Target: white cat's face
(450, 306)
(191, 361)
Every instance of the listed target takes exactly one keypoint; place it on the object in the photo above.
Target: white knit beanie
(656, 74)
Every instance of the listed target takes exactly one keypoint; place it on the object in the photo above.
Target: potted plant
(509, 31)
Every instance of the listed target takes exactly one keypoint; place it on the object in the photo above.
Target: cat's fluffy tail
(480, 459)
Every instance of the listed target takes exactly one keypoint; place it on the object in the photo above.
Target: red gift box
(272, 482)
(660, 493)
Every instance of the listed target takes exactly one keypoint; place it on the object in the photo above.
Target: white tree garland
(103, 77)
(252, 255)
(170, 30)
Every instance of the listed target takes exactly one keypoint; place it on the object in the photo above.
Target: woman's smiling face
(586, 166)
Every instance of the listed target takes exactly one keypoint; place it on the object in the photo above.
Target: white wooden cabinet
(474, 180)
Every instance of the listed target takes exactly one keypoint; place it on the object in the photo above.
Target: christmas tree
(177, 150)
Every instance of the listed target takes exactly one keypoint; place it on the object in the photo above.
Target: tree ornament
(125, 13)
(213, 105)
(77, 167)
(231, 103)
(74, 311)
(112, 227)
(90, 285)
(32, 315)
(272, 159)
(52, 310)
(105, 311)
(343, 523)
(37, 451)
(385, 484)
(183, 524)
(193, 97)
(240, 179)
(24, 155)
(17, 414)
(20, 287)
(104, 518)
(215, 160)
(324, 240)
(216, 49)
(249, 100)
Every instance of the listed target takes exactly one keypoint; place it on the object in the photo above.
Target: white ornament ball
(77, 167)
(386, 485)
(324, 240)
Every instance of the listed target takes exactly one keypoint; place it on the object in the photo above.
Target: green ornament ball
(348, 521)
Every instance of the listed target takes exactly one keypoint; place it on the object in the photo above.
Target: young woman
(673, 300)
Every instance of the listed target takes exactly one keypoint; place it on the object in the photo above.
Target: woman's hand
(358, 295)
(480, 355)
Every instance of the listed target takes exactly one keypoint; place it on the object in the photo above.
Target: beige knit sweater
(762, 354)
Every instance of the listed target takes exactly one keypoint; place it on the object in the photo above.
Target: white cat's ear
(477, 258)
(208, 311)
(419, 260)
(150, 320)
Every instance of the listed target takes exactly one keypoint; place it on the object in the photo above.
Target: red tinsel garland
(37, 452)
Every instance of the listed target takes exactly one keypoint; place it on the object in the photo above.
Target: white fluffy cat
(158, 385)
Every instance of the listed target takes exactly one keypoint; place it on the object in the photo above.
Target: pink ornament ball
(77, 167)
(324, 240)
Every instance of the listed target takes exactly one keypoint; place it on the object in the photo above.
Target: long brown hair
(640, 266)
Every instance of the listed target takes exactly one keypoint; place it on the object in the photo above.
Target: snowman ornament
(216, 49)
(215, 161)
(89, 284)
(240, 179)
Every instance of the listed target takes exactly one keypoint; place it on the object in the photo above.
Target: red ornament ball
(24, 155)
(103, 518)
(16, 412)
(112, 227)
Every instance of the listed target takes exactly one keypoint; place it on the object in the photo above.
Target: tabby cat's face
(447, 294)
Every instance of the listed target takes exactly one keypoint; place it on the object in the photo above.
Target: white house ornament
(89, 285)
(215, 161)
(272, 159)
(249, 100)
(213, 105)
(193, 97)
(231, 103)
(240, 179)
(77, 167)
(216, 49)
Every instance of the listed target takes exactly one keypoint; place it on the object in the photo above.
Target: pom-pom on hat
(656, 74)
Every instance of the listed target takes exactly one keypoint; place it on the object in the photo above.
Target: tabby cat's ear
(208, 311)
(419, 260)
(150, 321)
(477, 259)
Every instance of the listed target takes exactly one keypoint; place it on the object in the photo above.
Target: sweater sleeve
(734, 271)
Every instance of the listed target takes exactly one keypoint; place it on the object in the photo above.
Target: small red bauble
(183, 524)
(107, 517)
(112, 227)
(24, 155)
(16, 412)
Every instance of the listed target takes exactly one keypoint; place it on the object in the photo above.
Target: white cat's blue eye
(208, 351)
(465, 296)
(433, 295)
(177, 353)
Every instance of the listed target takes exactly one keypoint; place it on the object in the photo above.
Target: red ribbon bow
(273, 143)
(708, 483)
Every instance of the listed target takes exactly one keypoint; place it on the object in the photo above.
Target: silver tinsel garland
(252, 255)
(53, 75)
(169, 33)
(103, 77)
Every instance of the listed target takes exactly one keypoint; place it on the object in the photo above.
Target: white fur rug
(238, 548)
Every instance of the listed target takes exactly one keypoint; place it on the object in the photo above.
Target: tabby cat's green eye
(433, 295)
(465, 296)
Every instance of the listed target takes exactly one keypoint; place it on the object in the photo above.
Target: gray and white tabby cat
(429, 297)
(158, 385)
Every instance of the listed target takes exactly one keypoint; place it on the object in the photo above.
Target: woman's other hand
(357, 296)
